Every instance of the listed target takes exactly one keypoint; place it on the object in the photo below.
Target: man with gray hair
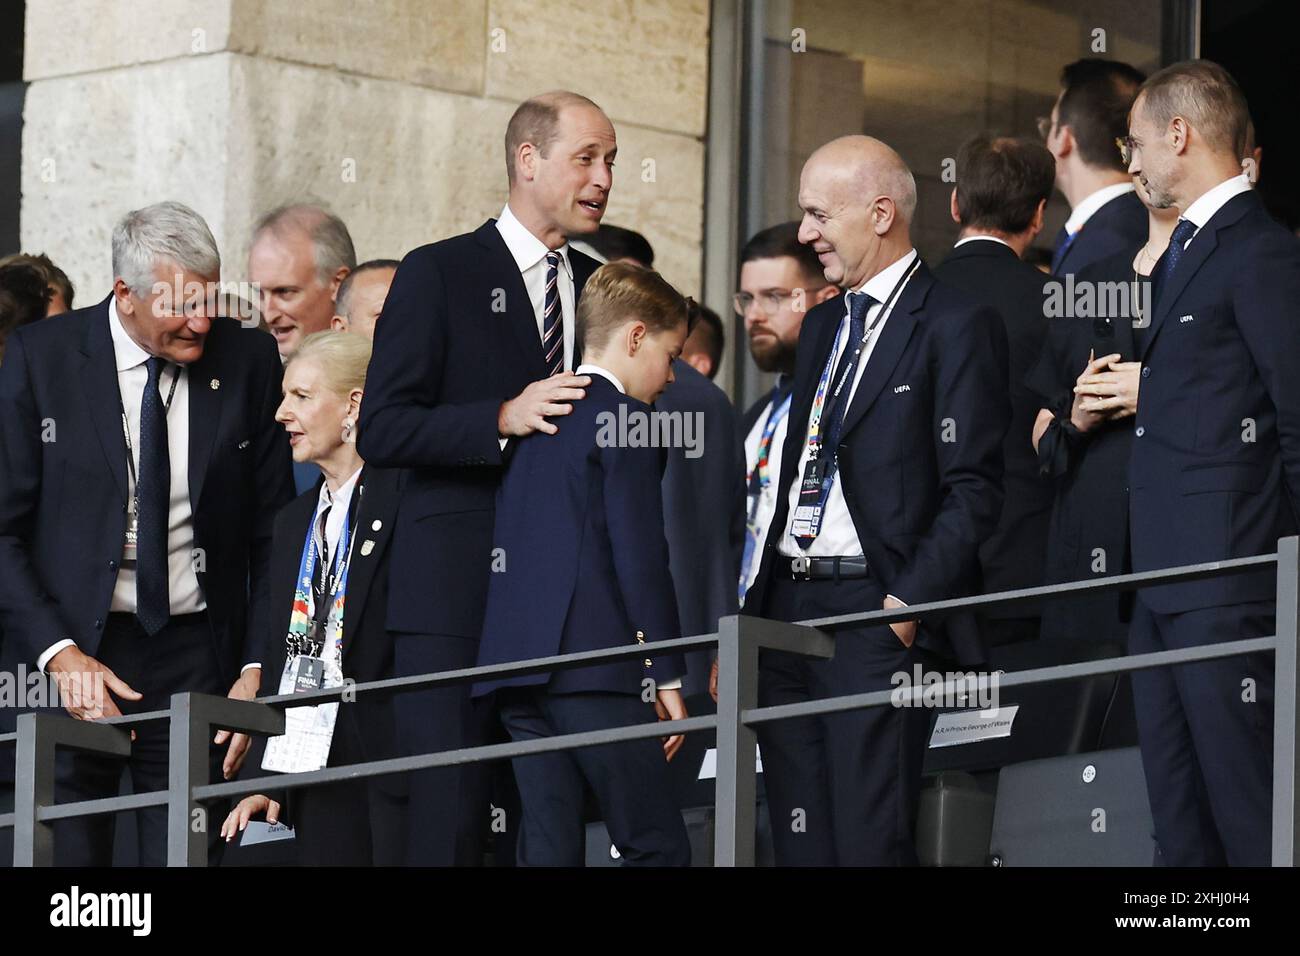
(300, 255)
(891, 477)
(140, 469)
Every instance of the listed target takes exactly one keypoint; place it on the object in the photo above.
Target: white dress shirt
(962, 242)
(765, 507)
(1081, 213)
(585, 369)
(1203, 209)
(132, 376)
(529, 254)
(339, 504)
(838, 535)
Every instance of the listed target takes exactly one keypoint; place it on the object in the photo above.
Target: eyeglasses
(1044, 124)
(769, 303)
(1127, 147)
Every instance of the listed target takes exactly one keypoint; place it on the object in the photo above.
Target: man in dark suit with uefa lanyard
(890, 479)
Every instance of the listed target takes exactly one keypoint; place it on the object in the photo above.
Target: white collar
(1203, 209)
(962, 242)
(526, 248)
(342, 497)
(126, 351)
(882, 283)
(1081, 213)
(588, 369)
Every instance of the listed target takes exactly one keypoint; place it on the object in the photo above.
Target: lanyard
(126, 433)
(814, 425)
(761, 470)
(301, 639)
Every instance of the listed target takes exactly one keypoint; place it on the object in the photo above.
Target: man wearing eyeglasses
(1106, 217)
(780, 280)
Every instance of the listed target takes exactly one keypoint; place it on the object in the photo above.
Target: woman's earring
(348, 426)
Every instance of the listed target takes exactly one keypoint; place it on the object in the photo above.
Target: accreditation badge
(808, 512)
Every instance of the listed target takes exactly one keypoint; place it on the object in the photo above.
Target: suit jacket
(367, 644)
(704, 509)
(1215, 469)
(921, 505)
(1088, 471)
(458, 338)
(580, 531)
(992, 274)
(63, 501)
(1120, 224)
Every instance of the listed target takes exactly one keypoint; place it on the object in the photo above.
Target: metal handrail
(739, 640)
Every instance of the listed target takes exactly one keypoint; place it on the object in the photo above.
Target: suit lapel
(503, 270)
(583, 267)
(893, 341)
(103, 394)
(206, 388)
(378, 505)
(1203, 245)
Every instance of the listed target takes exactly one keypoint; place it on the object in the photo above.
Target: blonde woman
(329, 598)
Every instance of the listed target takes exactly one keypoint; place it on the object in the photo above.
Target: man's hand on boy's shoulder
(527, 412)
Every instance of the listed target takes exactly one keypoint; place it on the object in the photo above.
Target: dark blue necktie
(846, 368)
(153, 494)
(1168, 261)
(1064, 239)
(552, 318)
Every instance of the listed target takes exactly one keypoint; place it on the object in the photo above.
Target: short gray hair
(331, 241)
(165, 231)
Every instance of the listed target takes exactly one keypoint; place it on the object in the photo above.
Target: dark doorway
(1253, 40)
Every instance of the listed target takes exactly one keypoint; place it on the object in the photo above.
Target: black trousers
(353, 822)
(1206, 734)
(181, 657)
(842, 788)
(449, 810)
(630, 781)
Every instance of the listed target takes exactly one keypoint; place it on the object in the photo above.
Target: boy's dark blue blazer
(581, 562)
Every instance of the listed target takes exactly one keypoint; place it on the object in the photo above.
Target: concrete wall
(390, 111)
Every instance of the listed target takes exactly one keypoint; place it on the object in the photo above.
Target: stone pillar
(392, 112)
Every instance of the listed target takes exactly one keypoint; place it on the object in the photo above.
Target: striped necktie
(552, 318)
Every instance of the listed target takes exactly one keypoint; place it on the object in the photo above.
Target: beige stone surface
(435, 43)
(98, 145)
(644, 61)
(81, 36)
(233, 135)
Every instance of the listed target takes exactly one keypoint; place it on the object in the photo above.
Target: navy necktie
(846, 368)
(1168, 261)
(1064, 239)
(552, 317)
(153, 496)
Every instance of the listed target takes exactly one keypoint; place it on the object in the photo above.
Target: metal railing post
(1286, 719)
(38, 737)
(740, 638)
(193, 719)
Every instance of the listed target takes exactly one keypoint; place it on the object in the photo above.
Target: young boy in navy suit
(581, 563)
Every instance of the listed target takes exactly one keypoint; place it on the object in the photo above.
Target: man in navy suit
(891, 476)
(1002, 189)
(584, 566)
(140, 469)
(1091, 112)
(1215, 467)
(475, 346)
